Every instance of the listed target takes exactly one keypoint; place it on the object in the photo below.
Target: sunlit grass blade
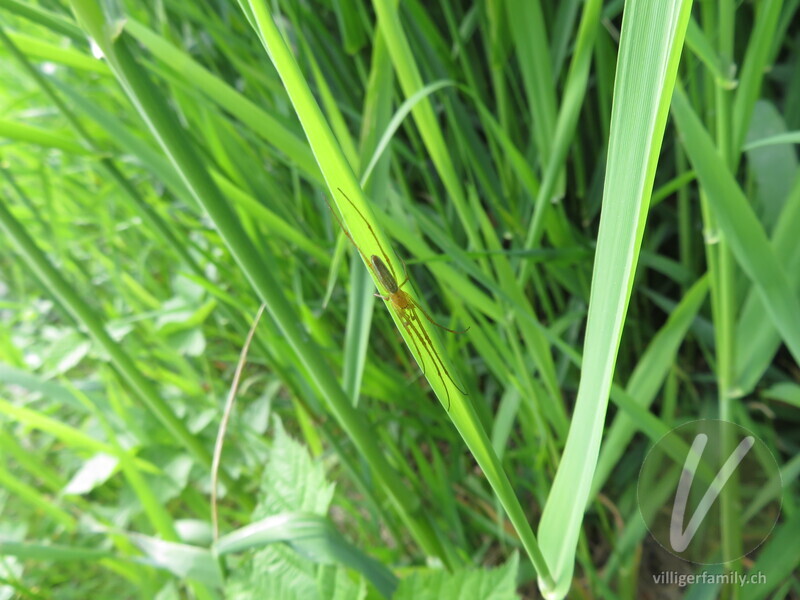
(648, 377)
(650, 48)
(341, 182)
(36, 49)
(316, 536)
(28, 134)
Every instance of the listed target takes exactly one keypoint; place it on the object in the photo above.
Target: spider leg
(405, 274)
(372, 231)
(411, 329)
(426, 343)
(347, 233)
(352, 241)
(437, 357)
(427, 316)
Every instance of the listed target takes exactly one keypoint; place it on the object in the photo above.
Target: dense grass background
(518, 156)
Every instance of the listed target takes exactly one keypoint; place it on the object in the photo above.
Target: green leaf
(29, 134)
(182, 560)
(650, 47)
(742, 230)
(314, 538)
(494, 584)
(92, 473)
(292, 480)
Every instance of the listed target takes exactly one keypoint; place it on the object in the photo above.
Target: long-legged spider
(406, 307)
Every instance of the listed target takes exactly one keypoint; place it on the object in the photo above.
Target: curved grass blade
(650, 48)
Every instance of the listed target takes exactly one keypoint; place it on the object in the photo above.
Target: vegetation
(605, 196)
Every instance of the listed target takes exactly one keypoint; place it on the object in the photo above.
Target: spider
(404, 305)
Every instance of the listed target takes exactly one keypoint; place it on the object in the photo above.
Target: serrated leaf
(486, 584)
(313, 537)
(273, 573)
(333, 583)
(292, 480)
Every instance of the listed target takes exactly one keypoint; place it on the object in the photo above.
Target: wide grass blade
(650, 48)
(647, 378)
(313, 535)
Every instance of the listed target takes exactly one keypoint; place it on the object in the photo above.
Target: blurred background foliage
(125, 300)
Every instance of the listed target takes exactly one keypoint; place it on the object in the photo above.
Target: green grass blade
(700, 45)
(315, 536)
(260, 121)
(37, 49)
(339, 176)
(530, 38)
(361, 300)
(397, 120)
(50, 20)
(744, 233)
(790, 137)
(648, 377)
(650, 48)
(753, 69)
(571, 103)
(31, 494)
(28, 134)
(411, 81)
(757, 339)
(154, 110)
